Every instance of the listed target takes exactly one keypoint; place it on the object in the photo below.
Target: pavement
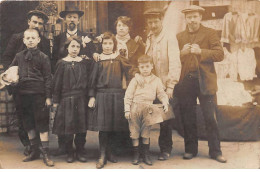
(240, 155)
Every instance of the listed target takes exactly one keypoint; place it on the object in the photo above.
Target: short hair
(109, 35)
(145, 59)
(125, 20)
(69, 40)
(32, 30)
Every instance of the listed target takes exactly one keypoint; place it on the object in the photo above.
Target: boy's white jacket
(10, 76)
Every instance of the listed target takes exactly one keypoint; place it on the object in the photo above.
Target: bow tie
(30, 53)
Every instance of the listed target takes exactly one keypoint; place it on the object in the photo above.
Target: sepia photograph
(129, 84)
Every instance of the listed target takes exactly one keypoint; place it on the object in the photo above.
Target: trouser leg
(208, 106)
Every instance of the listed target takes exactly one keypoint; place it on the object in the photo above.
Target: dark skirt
(108, 114)
(71, 115)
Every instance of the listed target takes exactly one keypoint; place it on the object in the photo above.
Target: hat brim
(192, 10)
(64, 13)
(38, 13)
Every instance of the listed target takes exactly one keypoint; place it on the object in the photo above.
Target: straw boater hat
(10, 76)
(38, 13)
(193, 8)
(71, 9)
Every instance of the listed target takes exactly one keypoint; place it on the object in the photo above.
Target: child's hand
(169, 92)
(91, 102)
(96, 57)
(166, 108)
(128, 115)
(139, 79)
(48, 102)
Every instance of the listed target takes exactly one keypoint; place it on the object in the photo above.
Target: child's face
(107, 46)
(31, 39)
(145, 68)
(74, 48)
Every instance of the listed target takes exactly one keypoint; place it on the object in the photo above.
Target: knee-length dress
(106, 87)
(70, 86)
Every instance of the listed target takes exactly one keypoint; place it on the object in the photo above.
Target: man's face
(145, 68)
(31, 39)
(72, 20)
(36, 23)
(155, 24)
(193, 20)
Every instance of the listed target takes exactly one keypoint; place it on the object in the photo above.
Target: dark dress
(106, 87)
(70, 92)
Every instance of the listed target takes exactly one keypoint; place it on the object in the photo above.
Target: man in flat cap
(199, 48)
(71, 16)
(36, 20)
(166, 58)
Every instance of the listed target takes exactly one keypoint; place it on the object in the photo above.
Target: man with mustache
(36, 20)
(167, 66)
(71, 17)
(199, 47)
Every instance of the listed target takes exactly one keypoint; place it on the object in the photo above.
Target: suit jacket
(59, 50)
(166, 58)
(16, 45)
(211, 51)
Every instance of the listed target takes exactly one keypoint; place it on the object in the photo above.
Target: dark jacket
(34, 72)
(59, 50)
(211, 52)
(16, 45)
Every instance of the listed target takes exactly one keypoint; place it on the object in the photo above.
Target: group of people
(124, 86)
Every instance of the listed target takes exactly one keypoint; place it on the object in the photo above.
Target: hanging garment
(246, 64)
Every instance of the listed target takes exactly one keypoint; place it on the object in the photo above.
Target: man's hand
(169, 92)
(195, 49)
(91, 102)
(139, 79)
(48, 102)
(96, 57)
(128, 115)
(166, 108)
(186, 49)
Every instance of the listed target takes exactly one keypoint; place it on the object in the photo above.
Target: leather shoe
(27, 150)
(70, 157)
(59, 151)
(220, 158)
(163, 156)
(80, 157)
(188, 156)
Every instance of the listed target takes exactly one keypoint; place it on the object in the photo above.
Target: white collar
(72, 33)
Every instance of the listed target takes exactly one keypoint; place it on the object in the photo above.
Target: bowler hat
(153, 11)
(71, 9)
(38, 13)
(193, 8)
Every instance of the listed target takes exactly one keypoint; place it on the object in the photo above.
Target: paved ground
(242, 155)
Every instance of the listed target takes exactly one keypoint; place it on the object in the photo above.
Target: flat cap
(193, 8)
(153, 11)
(39, 14)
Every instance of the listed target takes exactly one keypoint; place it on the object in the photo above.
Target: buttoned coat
(211, 51)
(166, 58)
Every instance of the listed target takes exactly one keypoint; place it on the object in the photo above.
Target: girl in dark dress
(107, 96)
(70, 97)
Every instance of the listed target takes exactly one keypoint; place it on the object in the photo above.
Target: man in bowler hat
(36, 20)
(199, 47)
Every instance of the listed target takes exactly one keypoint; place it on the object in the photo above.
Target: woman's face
(74, 48)
(108, 46)
(122, 29)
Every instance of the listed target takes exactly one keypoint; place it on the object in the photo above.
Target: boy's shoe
(101, 162)
(45, 156)
(164, 156)
(35, 154)
(188, 156)
(27, 150)
(147, 159)
(136, 154)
